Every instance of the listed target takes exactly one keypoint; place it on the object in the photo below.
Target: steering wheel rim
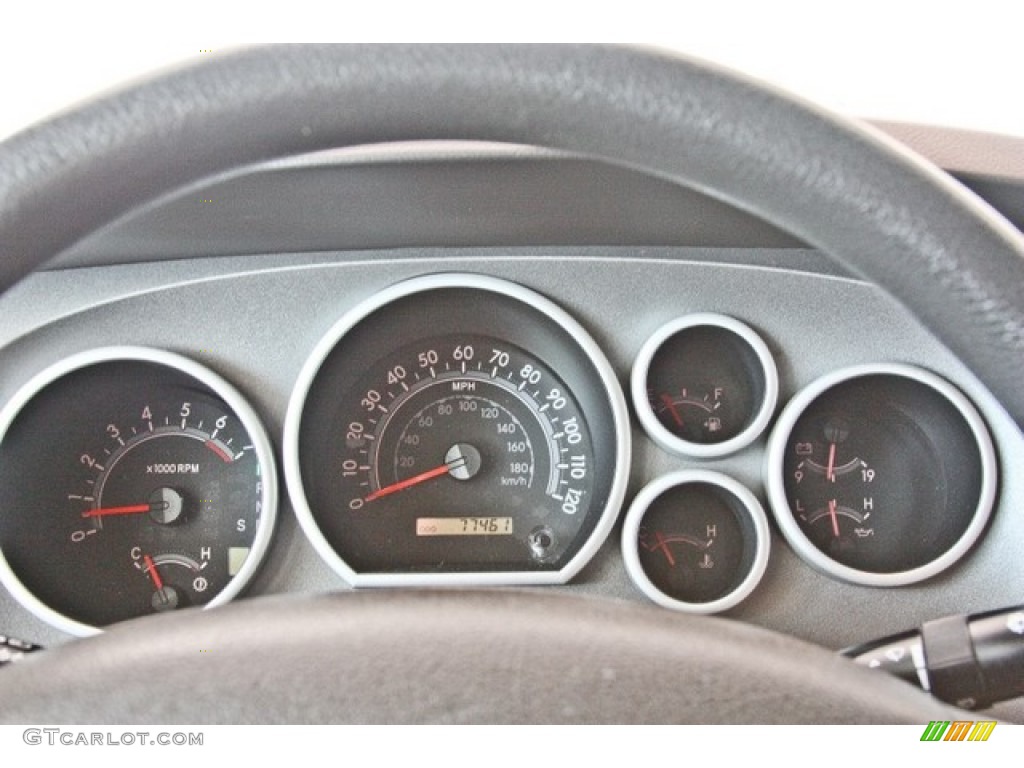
(832, 183)
(836, 184)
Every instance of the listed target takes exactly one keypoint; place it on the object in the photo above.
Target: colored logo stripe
(958, 730)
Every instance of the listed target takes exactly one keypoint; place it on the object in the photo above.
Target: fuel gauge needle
(672, 409)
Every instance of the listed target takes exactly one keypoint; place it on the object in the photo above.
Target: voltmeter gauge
(133, 481)
(696, 541)
(704, 385)
(881, 475)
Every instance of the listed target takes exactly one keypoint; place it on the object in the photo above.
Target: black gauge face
(704, 385)
(456, 446)
(886, 474)
(130, 487)
(695, 541)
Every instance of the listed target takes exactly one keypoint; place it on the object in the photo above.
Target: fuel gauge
(704, 386)
(695, 541)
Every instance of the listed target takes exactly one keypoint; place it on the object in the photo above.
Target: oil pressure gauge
(133, 481)
(881, 475)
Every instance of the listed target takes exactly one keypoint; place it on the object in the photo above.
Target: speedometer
(457, 429)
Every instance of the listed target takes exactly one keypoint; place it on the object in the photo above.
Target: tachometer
(133, 481)
(457, 429)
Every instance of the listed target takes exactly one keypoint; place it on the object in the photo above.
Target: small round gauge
(133, 481)
(696, 541)
(881, 474)
(704, 386)
(456, 429)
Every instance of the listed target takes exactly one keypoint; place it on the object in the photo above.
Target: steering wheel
(502, 656)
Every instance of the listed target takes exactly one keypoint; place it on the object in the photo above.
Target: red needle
(151, 569)
(663, 546)
(672, 409)
(835, 520)
(133, 509)
(830, 473)
(401, 485)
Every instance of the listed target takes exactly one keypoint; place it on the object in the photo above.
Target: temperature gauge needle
(663, 546)
(423, 477)
(133, 509)
(153, 573)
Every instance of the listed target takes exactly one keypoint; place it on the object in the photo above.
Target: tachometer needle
(835, 519)
(430, 474)
(133, 509)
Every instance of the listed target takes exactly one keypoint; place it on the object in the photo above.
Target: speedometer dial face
(134, 481)
(457, 429)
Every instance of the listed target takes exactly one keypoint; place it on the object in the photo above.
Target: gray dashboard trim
(254, 320)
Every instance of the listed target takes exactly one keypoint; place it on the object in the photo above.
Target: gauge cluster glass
(133, 481)
(457, 429)
(881, 475)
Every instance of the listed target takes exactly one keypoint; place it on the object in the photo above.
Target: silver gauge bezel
(675, 444)
(222, 389)
(608, 380)
(804, 547)
(635, 516)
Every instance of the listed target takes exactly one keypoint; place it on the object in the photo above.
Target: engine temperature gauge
(704, 386)
(695, 541)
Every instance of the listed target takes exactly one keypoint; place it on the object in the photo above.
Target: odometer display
(464, 526)
(454, 432)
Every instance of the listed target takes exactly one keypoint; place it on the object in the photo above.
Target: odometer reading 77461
(457, 430)
(463, 526)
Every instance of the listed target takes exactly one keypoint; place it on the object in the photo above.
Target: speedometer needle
(430, 474)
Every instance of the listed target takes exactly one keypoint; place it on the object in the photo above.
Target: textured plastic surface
(470, 657)
(255, 320)
(882, 212)
(431, 195)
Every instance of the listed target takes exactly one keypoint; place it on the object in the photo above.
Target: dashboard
(252, 274)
